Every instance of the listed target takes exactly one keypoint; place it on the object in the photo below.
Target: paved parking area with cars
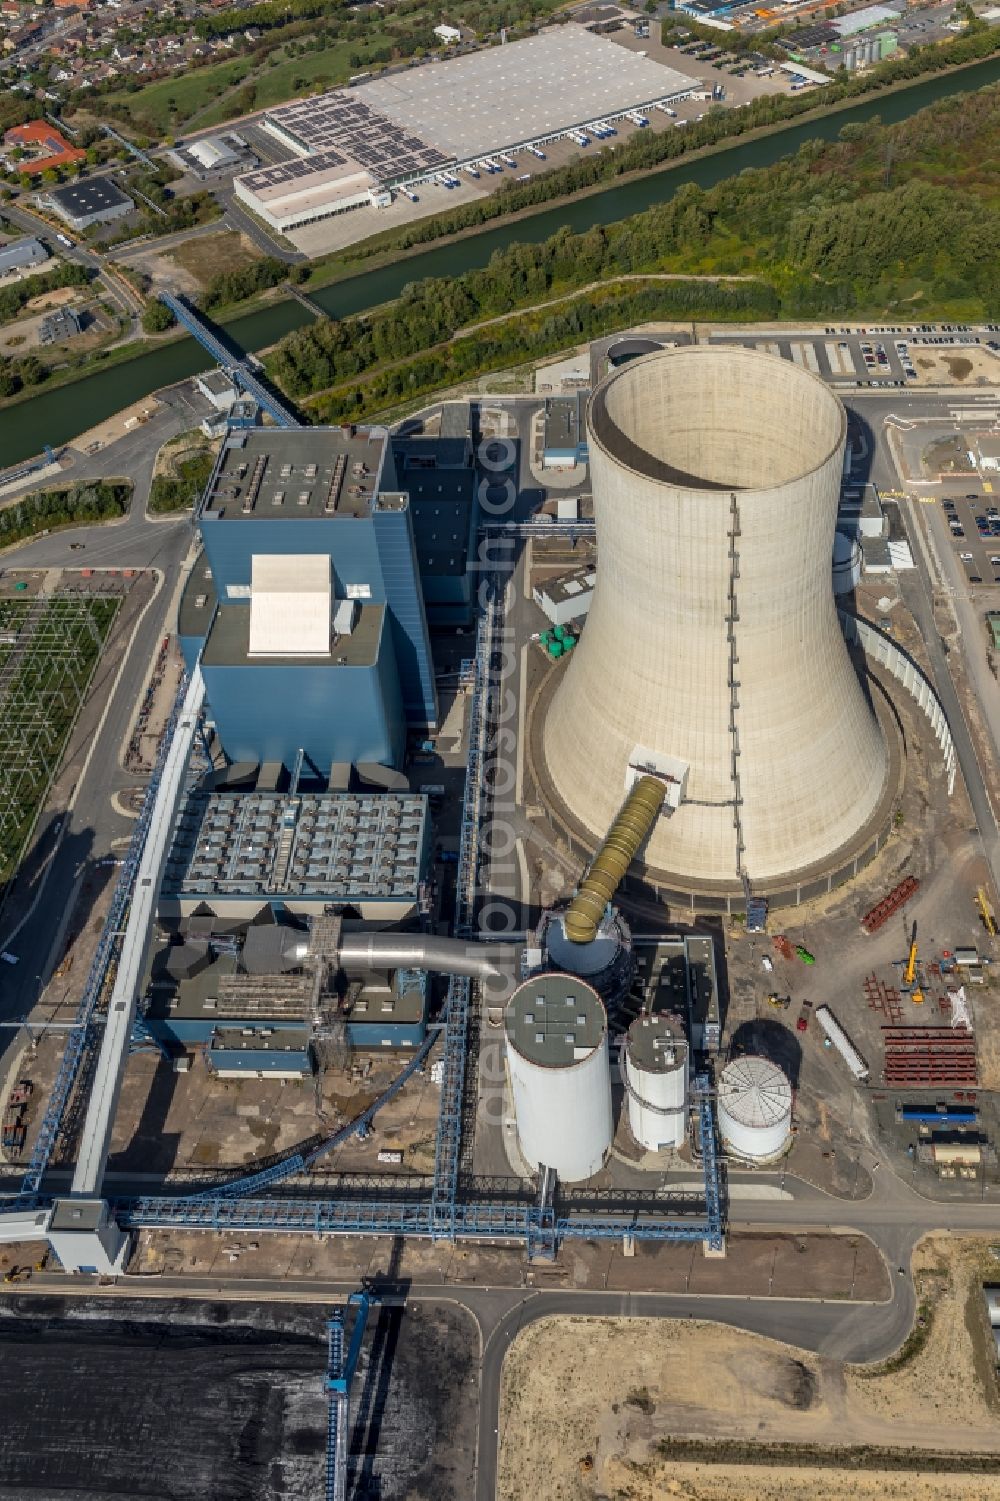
(974, 522)
(887, 356)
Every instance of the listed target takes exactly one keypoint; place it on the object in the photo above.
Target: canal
(56, 416)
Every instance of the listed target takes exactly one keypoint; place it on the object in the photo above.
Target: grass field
(169, 102)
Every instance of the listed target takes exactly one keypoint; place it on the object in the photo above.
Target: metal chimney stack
(712, 653)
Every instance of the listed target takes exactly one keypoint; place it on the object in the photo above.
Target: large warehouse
(352, 147)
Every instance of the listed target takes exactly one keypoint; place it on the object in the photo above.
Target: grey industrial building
(567, 596)
(564, 439)
(64, 323)
(95, 200)
(208, 976)
(22, 255)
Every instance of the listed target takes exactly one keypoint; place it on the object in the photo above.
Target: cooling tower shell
(655, 1075)
(713, 629)
(754, 1108)
(557, 1061)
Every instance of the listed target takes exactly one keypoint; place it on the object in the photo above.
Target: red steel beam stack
(929, 1057)
(898, 897)
(884, 998)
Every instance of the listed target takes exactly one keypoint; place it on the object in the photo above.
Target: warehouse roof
(861, 20)
(93, 196)
(473, 105)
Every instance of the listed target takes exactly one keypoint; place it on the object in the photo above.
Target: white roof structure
(213, 152)
(861, 20)
(755, 1091)
(291, 597)
(473, 105)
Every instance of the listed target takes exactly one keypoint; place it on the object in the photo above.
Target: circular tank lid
(631, 349)
(655, 1045)
(584, 958)
(755, 1092)
(555, 1020)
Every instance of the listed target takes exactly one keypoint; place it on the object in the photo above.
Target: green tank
(555, 648)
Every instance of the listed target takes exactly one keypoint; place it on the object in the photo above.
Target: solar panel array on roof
(343, 122)
(284, 172)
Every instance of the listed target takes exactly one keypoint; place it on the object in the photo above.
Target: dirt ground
(190, 265)
(205, 256)
(194, 1121)
(967, 365)
(627, 1385)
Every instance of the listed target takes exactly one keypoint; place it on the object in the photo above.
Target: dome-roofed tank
(754, 1108)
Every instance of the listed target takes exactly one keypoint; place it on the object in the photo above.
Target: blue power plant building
(325, 549)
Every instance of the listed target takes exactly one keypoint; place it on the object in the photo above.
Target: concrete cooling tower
(712, 655)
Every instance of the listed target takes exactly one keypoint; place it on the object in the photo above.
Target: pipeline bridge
(237, 367)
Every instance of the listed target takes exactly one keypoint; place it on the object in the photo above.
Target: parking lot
(974, 522)
(889, 356)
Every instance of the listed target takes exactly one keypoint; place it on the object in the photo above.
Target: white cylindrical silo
(557, 1059)
(755, 1108)
(993, 1305)
(655, 1076)
(713, 651)
(846, 563)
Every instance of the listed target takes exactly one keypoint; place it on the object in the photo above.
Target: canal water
(56, 416)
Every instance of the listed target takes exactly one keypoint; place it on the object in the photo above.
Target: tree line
(76, 506)
(529, 337)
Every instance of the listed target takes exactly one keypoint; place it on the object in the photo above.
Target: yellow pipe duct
(636, 817)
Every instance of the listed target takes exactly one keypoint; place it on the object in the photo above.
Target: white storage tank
(557, 1058)
(846, 562)
(655, 1076)
(755, 1108)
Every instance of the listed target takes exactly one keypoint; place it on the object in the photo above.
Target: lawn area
(329, 66)
(192, 93)
(169, 102)
(211, 255)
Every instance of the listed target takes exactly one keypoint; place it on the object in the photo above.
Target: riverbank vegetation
(886, 219)
(529, 336)
(648, 149)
